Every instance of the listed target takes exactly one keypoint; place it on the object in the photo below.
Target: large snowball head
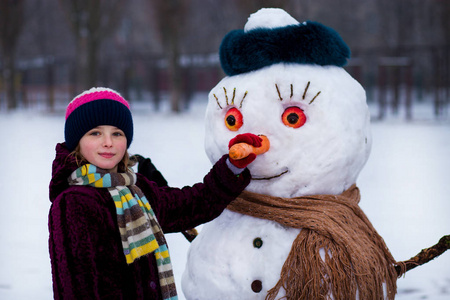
(322, 156)
(286, 81)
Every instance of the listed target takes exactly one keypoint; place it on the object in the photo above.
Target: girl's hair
(122, 167)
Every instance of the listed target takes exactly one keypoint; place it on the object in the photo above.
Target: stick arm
(424, 256)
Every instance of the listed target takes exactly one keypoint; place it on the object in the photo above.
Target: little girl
(107, 223)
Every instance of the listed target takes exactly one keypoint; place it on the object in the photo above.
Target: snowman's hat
(272, 36)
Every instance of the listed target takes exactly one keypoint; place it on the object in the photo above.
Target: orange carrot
(242, 150)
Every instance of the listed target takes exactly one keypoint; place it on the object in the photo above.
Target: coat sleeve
(185, 208)
(82, 249)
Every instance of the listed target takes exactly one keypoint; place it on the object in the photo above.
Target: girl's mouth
(106, 155)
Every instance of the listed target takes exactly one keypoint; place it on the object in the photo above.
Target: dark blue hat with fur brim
(243, 51)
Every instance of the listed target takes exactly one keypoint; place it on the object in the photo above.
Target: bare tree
(11, 24)
(442, 98)
(171, 15)
(91, 22)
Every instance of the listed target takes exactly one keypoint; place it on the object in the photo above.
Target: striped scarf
(140, 231)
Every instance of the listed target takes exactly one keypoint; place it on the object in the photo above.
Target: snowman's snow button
(257, 243)
(257, 286)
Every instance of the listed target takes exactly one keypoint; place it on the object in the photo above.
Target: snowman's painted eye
(293, 117)
(234, 119)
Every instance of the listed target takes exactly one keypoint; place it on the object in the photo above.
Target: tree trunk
(11, 24)
(51, 86)
(91, 21)
(174, 73)
(9, 76)
(171, 14)
(92, 62)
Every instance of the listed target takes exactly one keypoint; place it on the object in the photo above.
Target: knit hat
(95, 107)
(272, 36)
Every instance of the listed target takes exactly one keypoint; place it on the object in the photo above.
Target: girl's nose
(107, 141)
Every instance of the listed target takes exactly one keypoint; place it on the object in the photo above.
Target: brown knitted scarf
(357, 260)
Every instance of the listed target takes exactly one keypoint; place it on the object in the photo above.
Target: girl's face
(104, 146)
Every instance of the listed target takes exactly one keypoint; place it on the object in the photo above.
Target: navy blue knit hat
(275, 37)
(96, 107)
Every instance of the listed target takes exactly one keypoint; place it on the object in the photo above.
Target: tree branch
(424, 256)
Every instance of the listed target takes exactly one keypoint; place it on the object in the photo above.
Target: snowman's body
(287, 83)
(238, 256)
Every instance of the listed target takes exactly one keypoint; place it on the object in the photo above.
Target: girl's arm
(182, 209)
(148, 169)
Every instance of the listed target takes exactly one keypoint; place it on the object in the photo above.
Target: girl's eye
(94, 133)
(118, 133)
(234, 119)
(293, 117)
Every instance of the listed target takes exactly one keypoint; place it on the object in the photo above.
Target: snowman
(297, 230)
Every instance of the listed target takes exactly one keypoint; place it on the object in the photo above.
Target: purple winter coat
(85, 246)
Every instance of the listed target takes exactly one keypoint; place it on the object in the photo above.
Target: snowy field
(405, 190)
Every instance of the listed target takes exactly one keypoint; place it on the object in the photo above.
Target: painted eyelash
(217, 101)
(306, 89)
(226, 96)
(314, 98)
(292, 92)
(232, 99)
(278, 91)
(245, 94)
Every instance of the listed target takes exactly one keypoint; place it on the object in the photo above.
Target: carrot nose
(242, 150)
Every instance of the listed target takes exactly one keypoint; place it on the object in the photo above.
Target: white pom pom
(269, 18)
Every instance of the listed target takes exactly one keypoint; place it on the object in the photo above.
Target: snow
(404, 188)
(269, 18)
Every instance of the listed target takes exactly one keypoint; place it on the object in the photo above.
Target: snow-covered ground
(405, 190)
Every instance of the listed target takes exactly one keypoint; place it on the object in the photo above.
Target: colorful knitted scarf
(356, 262)
(140, 231)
